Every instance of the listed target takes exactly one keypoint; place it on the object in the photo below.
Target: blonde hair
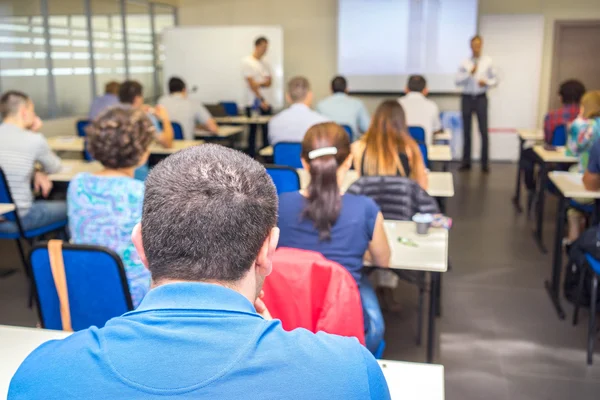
(591, 104)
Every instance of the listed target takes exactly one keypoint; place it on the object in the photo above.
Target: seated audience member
(186, 111)
(570, 94)
(387, 148)
(591, 176)
(21, 148)
(107, 100)
(290, 125)
(105, 207)
(419, 110)
(208, 234)
(341, 227)
(344, 109)
(130, 95)
(583, 133)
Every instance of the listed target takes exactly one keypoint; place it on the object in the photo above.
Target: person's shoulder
(359, 201)
(288, 200)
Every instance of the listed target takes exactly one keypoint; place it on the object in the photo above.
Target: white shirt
(185, 111)
(346, 110)
(420, 111)
(291, 124)
(485, 72)
(259, 71)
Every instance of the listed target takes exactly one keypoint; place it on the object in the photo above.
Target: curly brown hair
(119, 137)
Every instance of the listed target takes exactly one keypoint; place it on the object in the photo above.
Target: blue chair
(424, 152)
(230, 107)
(379, 353)
(417, 133)
(559, 136)
(177, 131)
(80, 127)
(350, 133)
(286, 179)
(96, 284)
(595, 270)
(287, 153)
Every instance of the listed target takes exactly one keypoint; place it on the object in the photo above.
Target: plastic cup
(422, 222)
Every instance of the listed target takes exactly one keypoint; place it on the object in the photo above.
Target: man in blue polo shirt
(207, 235)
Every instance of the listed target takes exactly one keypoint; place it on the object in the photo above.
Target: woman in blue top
(344, 228)
(104, 207)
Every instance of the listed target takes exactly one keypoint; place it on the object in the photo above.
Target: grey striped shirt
(20, 149)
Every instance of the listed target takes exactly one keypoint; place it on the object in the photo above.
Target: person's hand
(474, 69)
(264, 105)
(261, 308)
(42, 184)
(482, 83)
(36, 125)
(161, 113)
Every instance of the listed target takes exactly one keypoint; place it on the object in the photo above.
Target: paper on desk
(66, 168)
(576, 178)
(66, 139)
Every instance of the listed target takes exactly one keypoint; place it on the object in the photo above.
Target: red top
(305, 290)
(562, 116)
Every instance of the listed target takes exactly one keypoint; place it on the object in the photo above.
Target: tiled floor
(499, 337)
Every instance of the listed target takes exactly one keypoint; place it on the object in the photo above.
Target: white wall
(310, 32)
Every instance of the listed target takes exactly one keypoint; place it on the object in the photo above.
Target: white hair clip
(323, 151)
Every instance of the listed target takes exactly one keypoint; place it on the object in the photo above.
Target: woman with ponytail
(342, 227)
(387, 148)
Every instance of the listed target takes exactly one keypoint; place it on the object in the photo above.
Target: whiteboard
(210, 57)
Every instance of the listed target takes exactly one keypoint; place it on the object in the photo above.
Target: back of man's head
(298, 89)
(112, 87)
(207, 212)
(571, 91)
(416, 83)
(339, 84)
(176, 85)
(129, 90)
(260, 40)
(11, 102)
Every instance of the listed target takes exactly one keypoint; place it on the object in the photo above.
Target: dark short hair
(298, 88)
(119, 137)
(571, 91)
(417, 83)
(176, 85)
(260, 40)
(339, 84)
(207, 212)
(112, 87)
(476, 37)
(129, 90)
(11, 101)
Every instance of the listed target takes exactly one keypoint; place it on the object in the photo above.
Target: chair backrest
(177, 131)
(348, 129)
(424, 152)
(559, 137)
(96, 283)
(6, 197)
(287, 153)
(80, 126)
(417, 133)
(286, 179)
(231, 107)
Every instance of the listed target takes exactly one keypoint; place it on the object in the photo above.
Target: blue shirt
(594, 158)
(350, 235)
(345, 110)
(198, 341)
(102, 103)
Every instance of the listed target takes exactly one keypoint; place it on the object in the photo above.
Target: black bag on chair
(587, 243)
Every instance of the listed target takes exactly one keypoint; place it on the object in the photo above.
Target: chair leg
(592, 326)
(22, 255)
(582, 275)
(421, 299)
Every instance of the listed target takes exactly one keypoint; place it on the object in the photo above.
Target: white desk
(70, 168)
(534, 135)
(225, 131)
(446, 135)
(406, 381)
(244, 120)
(76, 143)
(554, 156)
(6, 208)
(439, 152)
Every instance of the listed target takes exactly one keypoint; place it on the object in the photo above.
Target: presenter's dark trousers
(477, 104)
(253, 128)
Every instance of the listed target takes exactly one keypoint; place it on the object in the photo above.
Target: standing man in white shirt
(291, 125)
(419, 110)
(476, 75)
(257, 74)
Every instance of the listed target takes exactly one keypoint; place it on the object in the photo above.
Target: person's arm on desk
(379, 251)
(166, 137)
(205, 119)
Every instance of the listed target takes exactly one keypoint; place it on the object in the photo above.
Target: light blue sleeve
(378, 388)
(364, 119)
(202, 114)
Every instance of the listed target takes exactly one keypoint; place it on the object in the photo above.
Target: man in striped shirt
(20, 149)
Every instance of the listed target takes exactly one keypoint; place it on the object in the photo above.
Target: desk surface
(531, 134)
(70, 168)
(570, 185)
(557, 156)
(408, 381)
(441, 184)
(431, 253)
(445, 135)
(6, 208)
(243, 120)
(76, 143)
(224, 131)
